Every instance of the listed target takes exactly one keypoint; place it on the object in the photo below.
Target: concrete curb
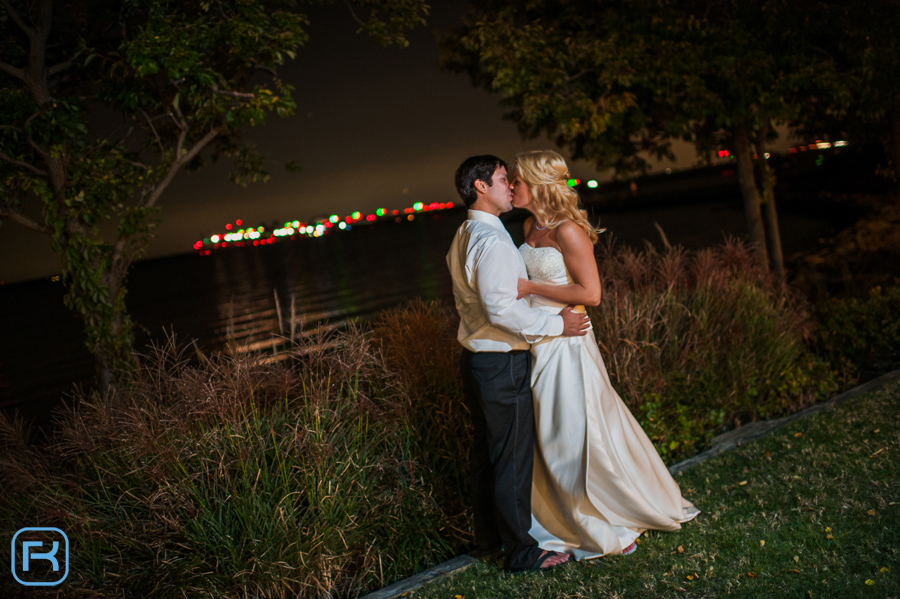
(456, 564)
(721, 444)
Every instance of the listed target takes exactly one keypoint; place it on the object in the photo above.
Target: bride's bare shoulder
(570, 231)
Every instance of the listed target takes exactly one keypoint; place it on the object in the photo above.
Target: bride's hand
(523, 288)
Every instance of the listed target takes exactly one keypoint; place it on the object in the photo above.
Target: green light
(357, 215)
(380, 212)
(296, 223)
(592, 184)
(334, 218)
(571, 183)
(418, 206)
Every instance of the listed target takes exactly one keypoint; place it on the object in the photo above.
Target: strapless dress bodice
(545, 265)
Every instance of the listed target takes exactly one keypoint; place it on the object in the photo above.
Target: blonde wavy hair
(547, 176)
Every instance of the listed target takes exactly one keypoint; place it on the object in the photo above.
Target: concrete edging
(721, 444)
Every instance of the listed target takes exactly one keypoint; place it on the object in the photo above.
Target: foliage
(104, 103)
(860, 256)
(862, 331)
(341, 464)
(809, 511)
(616, 81)
(418, 341)
(865, 56)
(237, 476)
(695, 341)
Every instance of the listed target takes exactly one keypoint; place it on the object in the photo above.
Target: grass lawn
(812, 510)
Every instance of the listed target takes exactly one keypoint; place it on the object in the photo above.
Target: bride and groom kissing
(560, 469)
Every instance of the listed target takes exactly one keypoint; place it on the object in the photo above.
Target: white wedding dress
(598, 481)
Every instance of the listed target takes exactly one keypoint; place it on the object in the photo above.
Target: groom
(496, 331)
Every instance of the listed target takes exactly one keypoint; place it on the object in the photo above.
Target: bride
(598, 481)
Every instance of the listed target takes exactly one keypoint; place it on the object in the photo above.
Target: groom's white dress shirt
(486, 266)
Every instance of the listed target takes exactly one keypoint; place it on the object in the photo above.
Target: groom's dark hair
(476, 168)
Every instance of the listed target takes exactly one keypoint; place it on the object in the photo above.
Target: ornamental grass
(339, 464)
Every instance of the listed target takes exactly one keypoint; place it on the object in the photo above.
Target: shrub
(862, 332)
(697, 341)
(418, 341)
(239, 476)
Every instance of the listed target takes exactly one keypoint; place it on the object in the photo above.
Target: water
(331, 279)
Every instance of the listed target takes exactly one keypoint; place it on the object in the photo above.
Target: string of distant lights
(258, 236)
(236, 236)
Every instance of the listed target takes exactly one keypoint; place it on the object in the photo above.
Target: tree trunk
(767, 183)
(895, 143)
(750, 194)
(94, 275)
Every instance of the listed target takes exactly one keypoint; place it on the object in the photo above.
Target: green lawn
(812, 510)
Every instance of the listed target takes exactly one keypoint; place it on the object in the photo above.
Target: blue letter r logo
(34, 551)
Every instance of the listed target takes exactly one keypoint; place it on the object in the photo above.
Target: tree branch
(15, 216)
(353, 14)
(17, 19)
(25, 165)
(269, 70)
(57, 68)
(152, 128)
(225, 92)
(14, 71)
(181, 160)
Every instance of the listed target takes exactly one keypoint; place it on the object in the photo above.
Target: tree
(860, 39)
(615, 80)
(104, 103)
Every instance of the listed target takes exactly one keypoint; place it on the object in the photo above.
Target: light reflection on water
(229, 295)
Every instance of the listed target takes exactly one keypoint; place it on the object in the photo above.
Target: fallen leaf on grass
(871, 512)
(883, 570)
(795, 570)
(877, 452)
(827, 529)
(877, 430)
(680, 549)
(796, 558)
(767, 454)
(762, 543)
(689, 577)
(829, 537)
(798, 434)
(870, 582)
(751, 574)
(742, 483)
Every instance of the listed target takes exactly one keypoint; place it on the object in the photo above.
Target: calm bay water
(341, 276)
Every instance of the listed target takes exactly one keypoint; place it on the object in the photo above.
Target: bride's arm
(578, 252)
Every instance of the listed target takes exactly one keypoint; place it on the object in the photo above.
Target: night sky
(374, 127)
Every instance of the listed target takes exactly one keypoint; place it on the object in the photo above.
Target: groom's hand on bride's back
(575, 324)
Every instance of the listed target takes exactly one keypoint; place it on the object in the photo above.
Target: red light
(370, 218)
(443, 205)
(449, 204)
(329, 224)
(396, 212)
(238, 221)
(256, 242)
(198, 245)
(228, 226)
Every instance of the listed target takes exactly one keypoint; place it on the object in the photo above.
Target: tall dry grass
(339, 462)
(695, 341)
(233, 477)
